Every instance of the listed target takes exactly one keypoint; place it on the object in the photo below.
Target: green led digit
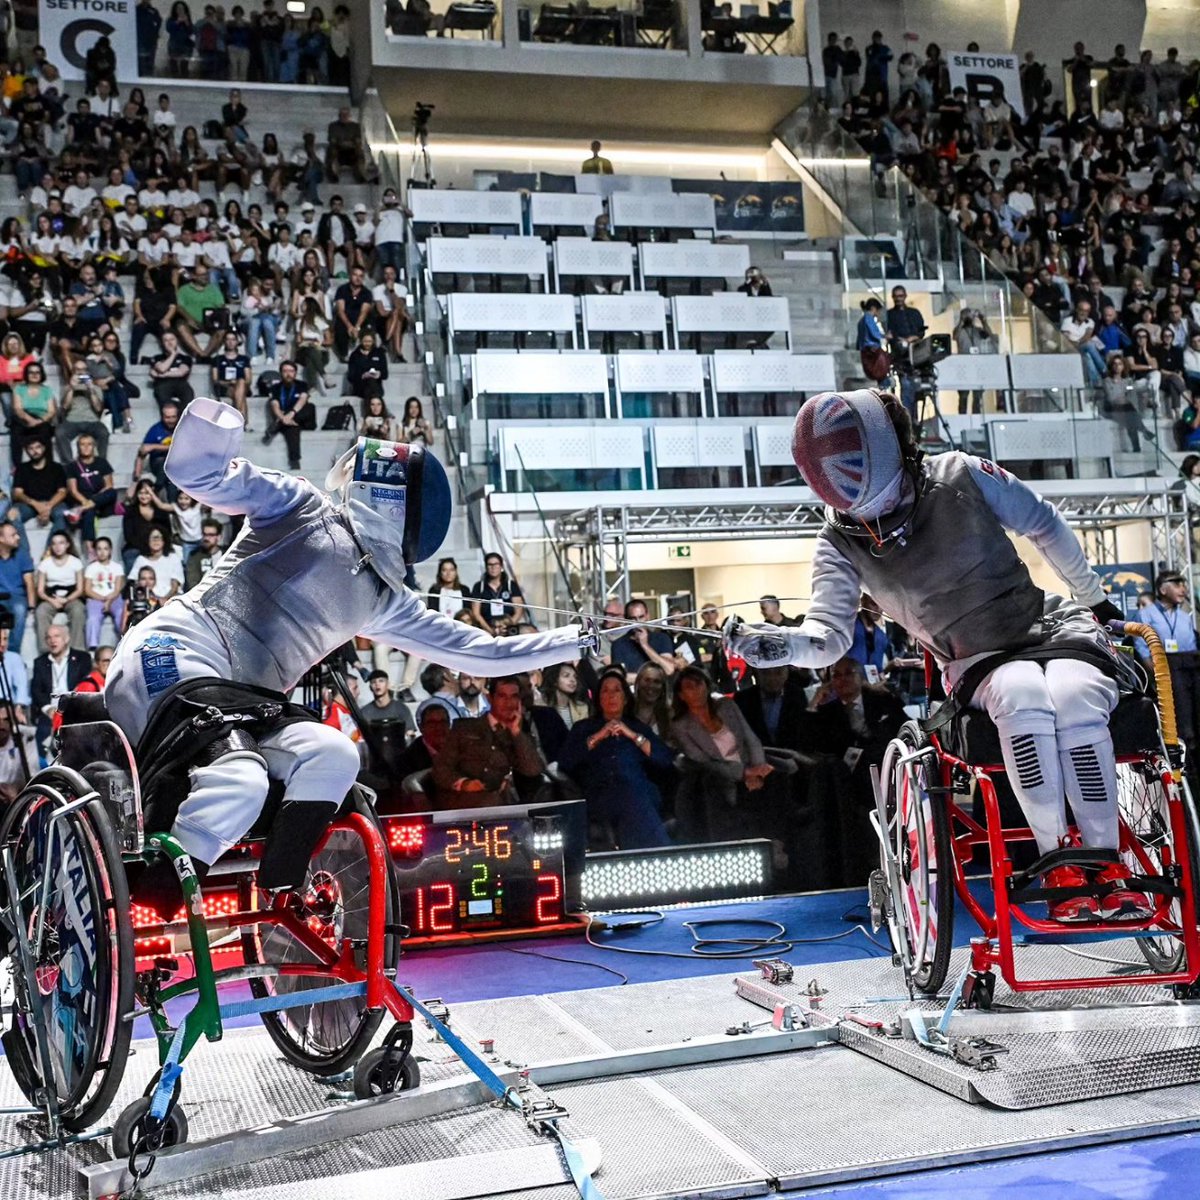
(479, 881)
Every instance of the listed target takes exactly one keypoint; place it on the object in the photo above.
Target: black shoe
(406, 695)
(294, 466)
(297, 828)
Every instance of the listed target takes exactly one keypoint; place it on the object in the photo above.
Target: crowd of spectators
(1089, 204)
(666, 739)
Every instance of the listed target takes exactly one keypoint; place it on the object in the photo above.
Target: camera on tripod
(420, 120)
(919, 361)
(139, 604)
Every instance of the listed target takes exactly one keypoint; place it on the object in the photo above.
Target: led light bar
(675, 875)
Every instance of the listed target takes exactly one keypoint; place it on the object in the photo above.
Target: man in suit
(776, 707)
(852, 721)
(59, 670)
(488, 760)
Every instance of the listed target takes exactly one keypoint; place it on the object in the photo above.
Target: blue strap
(580, 1176)
(171, 1071)
(263, 1004)
(952, 1001)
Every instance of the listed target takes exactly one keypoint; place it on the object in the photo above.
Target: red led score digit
(435, 915)
(549, 907)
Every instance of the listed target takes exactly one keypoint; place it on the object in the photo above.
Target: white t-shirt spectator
(77, 199)
(104, 578)
(303, 226)
(187, 256)
(1021, 202)
(46, 247)
(364, 232)
(183, 198)
(166, 569)
(154, 252)
(133, 227)
(59, 577)
(385, 301)
(153, 199)
(163, 119)
(1078, 331)
(284, 256)
(115, 193)
(389, 225)
(217, 253)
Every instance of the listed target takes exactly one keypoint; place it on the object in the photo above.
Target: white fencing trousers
(1053, 723)
(316, 763)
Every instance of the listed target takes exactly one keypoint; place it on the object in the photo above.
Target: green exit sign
(679, 552)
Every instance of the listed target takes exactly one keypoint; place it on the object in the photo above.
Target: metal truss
(595, 541)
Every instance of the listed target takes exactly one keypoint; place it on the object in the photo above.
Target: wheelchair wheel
(71, 903)
(1143, 805)
(327, 1037)
(917, 861)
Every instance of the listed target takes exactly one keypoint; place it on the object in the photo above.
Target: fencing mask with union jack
(846, 448)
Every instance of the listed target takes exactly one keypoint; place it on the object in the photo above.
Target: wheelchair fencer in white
(928, 539)
(308, 572)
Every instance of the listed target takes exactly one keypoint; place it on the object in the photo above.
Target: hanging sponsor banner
(69, 29)
(985, 75)
(753, 206)
(1124, 582)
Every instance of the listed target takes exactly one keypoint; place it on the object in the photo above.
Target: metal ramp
(670, 1095)
(1109, 1041)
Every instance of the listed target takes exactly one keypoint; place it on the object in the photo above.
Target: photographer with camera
(973, 335)
(79, 407)
(905, 326)
(140, 600)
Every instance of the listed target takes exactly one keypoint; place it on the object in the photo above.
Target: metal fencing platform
(677, 1096)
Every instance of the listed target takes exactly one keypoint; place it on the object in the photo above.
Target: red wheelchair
(929, 838)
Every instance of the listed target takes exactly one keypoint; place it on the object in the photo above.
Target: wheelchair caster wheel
(978, 990)
(131, 1128)
(376, 1075)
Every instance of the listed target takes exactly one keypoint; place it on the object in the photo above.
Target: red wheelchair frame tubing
(966, 834)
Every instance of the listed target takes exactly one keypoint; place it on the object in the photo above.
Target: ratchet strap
(574, 1159)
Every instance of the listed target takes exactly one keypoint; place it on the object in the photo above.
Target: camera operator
(905, 326)
(140, 600)
(973, 335)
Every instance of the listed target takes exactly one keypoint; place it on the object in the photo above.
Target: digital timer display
(488, 875)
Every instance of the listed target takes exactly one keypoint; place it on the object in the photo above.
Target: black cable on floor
(581, 962)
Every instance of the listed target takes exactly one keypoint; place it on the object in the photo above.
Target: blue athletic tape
(583, 1181)
(243, 1008)
(952, 1002)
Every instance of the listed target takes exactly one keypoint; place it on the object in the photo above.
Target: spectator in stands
(831, 64)
(652, 699)
(447, 594)
(470, 700)
(149, 25)
(352, 312)
(755, 283)
(389, 234)
(725, 761)
(383, 706)
(68, 336)
(413, 425)
(60, 588)
(497, 602)
(596, 165)
(206, 556)
(144, 511)
(905, 326)
(39, 488)
(287, 402)
(433, 722)
(617, 762)
(1079, 332)
(232, 375)
(344, 148)
(377, 422)
(60, 669)
(169, 373)
(101, 660)
(490, 759)
(16, 578)
(260, 311)
(34, 409)
(878, 54)
(103, 589)
(79, 406)
(164, 561)
(90, 488)
(776, 708)
(313, 339)
(34, 308)
(973, 335)
(1120, 401)
(152, 453)
(366, 368)
(772, 612)
(391, 312)
(335, 235)
(640, 645)
(200, 313)
(562, 692)
(850, 714)
(181, 41)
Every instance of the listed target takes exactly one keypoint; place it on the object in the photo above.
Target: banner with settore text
(69, 28)
(985, 75)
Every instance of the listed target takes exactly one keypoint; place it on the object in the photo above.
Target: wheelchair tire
(1143, 808)
(922, 851)
(85, 972)
(328, 1037)
(369, 1074)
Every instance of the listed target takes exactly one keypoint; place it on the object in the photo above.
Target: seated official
(489, 760)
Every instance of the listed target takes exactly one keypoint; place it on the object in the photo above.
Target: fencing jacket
(305, 575)
(956, 583)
